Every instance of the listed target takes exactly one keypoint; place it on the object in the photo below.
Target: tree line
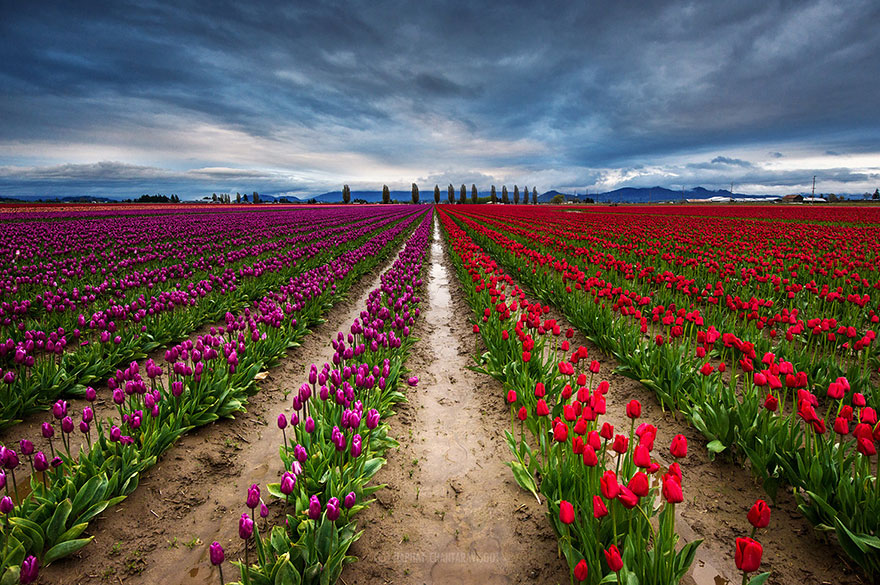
(462, 195)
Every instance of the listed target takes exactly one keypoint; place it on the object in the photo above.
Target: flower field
(131, 336)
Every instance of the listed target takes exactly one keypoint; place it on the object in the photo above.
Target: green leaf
(716, 446)
(524, 478)
(287, 574)
(759, 579)
(61, 550)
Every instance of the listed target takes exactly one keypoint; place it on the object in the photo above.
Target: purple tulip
(300, 453)
(245, 527)
(6, 505)
(176, 388)
(413, 381)
(217, 554)
(84, 427)
(48, 430)
(115, 433)
(56, 462)
(288, 481)
(10, 459)
(27, 447)
(88, 414)
(372, 419)
(91, 394)
(264, 510)
(356, 446)
(40, 461)
(296, 468)
(314, 508)
(282, 421)
(30, 568)
(2, 480)
(9, 377)
(333, 509)
(310, 425)
(253, 496)
(349, 501)
(118, 396)
(59, 409)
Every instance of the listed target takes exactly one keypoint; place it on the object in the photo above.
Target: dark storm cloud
(310, 93)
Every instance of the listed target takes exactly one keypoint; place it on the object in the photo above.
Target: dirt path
(452, 513)
(196, 492)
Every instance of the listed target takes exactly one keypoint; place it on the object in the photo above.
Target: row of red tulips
(747, 408)
(601, 485)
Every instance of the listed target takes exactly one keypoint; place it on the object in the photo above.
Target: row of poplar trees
(462, 197)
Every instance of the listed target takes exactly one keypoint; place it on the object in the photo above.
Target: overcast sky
(300, 97)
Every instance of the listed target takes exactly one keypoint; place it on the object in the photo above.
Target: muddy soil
(451, 512)
(194, 495)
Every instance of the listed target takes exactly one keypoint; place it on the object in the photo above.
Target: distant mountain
(376, 196)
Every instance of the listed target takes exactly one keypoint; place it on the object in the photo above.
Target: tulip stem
(222, 581)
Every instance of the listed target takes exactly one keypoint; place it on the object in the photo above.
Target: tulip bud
(349, 500)
(217, 554)
(253, 496)
(6, 505)
(679, 447)
(245, 527)
(748, 554)
(91, 394)
(581, 570)
(634, 409)
(47, 430)
(609, 485)
(30, 568)
(759, 515)
(613, 558)
(314, 508)
(672, 489)
(26, 446)
(566, 512)
(282, 421)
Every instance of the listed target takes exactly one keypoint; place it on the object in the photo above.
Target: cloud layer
(195, 98)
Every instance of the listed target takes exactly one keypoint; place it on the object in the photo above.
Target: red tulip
(866, 447)
(539, 390)
(566, 512)
(771, 403)
(759, 515)
(612, 557)
(639, 484)
(609, 485)
(672, 489)
(627, 497)
(599, 508)
(679, 446)
(580, 570)
(560, 432)
(541, 409)
(522, 414)
(634, 409)
(607, 431)
(748, 554)
(590, 457)
(641, 456)
(511, 396)
(707, 369)
(620, 444)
